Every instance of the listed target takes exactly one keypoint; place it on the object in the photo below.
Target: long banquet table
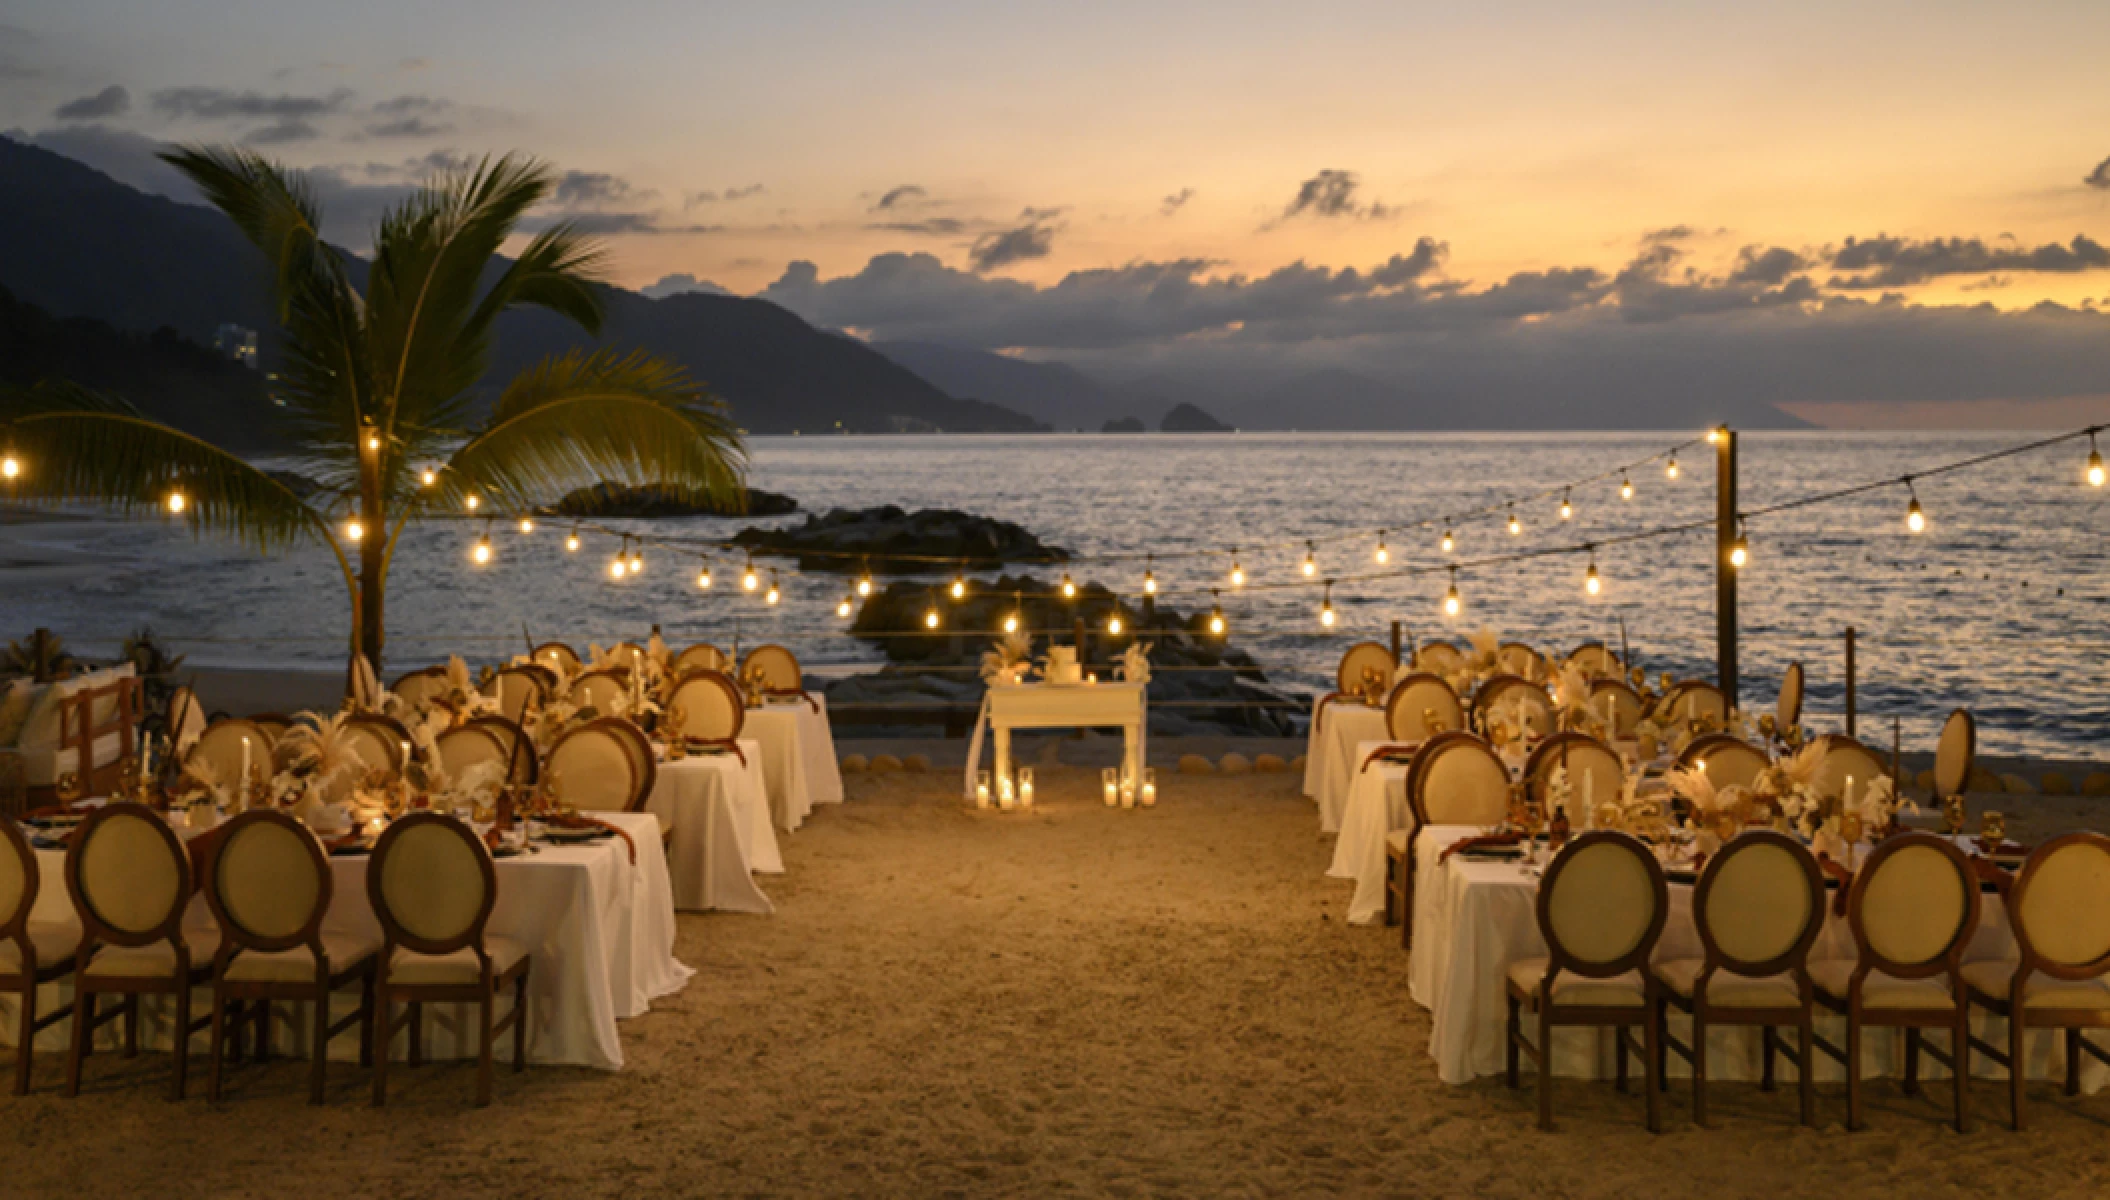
(718, 808)
(600, 931)
(1375, 805)
(1337, 731)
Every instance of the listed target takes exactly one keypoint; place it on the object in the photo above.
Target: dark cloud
(410, 103)
(1175, 202)
(678, 284)
(1403, 269)
(708, 196)
(906, 194)
(1332, 193)
(279, 133)
(593, 189)
(1893, 262)
(2100, 177)
(1031, 240)
(109, 102)
(1669, 233)
(1770, 265)
(932, 227)
(222, 104)
(408, 127)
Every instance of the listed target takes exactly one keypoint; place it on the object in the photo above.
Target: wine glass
(1992, 831)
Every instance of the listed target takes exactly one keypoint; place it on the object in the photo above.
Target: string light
(1382, 556)
(1113, 623)
(1567, 509)
(775, 593)
(2095, 464)
(1626, 487)
(1237, 572)
(527, 525)
(1715, 435)
(177, 501)
(428, 477)
(1449, 543)
(1150, 578)
(1739, 551)
(1311, 560)
(1216, 614)
(10, 466)
(1326, 613)
(1670, 469)
(864, 581)
(473, 501)
(1452, 604)
(1915, 517)
(353, 530)
(1069, 587)
(1011, 618)
(637, 561)
(1515, 526)
(845, 606)
(959, 587)
(750, 579)
(480, 554)
(930, 615)
(571, 541)
(619, 566)
(373, 441)
(1592, 585)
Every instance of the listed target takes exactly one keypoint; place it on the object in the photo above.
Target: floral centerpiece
(1008, 660)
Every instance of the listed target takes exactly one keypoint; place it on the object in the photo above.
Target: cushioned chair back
(128, 873)
(526, 765)
(1458, 780)
(626, 654)
(269, 880)
(421, 687)
(592, 769)
(1914, 900)
(643, 760)
(1595, 774)
(701, 657)
(1418, 698)
(274, 725)
(1441, 658)
(1594, 661)
(779, 668)
(605, 692)
(1520, 660)
(220, 748)
(1760, 902)
(1956, 754)
(1843, 759)
(18, 876)
(467, 746)
(519, 689)
(1625, 704)
(710, 706)
(2060, 905)
(431, 878)
(1726, 760)
(377, 743)
(1692, 700)
(557, 657)
(1508, 697)
(1363, 657)
(1787, 712)
(1603, 903)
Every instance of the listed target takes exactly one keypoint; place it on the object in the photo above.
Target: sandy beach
(1075, 1001)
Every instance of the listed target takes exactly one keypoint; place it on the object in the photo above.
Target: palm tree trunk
(373, 559)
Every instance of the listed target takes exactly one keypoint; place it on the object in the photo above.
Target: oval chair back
(2060, 907)
(779, 668)
(421, 687)
(1516, 658)
(381, 742)
(710, 706)
(1627, 708)
(1421, 706)
(1602, 906)
(1844, 758)
(19, 881)
(1440, 658)
(274, 724)
(1956, 755)
(1693, 700)
(520, 688)
(525, 765)
(701, 657)
(1913, 907)
(606, 691)
(1759, 905)
(625, 654)
(268, 883)
(129, 877)
(1594, 661)
(466, 747)
(1349, 679)
(1588, 761)
(556, 657)
(1457, 779)
(431, 884)
(592, 768)
(1727, 760)
(642, 757)
(219, 749)
(1502, 694)
(1787, 711)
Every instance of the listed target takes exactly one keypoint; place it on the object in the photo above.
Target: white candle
(1025, 788)
(1109, 787)
(1005, 798)
(243, 783)
(1150, 794)
(1589, 797)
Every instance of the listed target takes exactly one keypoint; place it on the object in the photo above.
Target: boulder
(1195, 764)
(665, 500)
(2016, 784)
(1983, 780)
(916, 762)
(1235, 764)
(854, 540)
(1123, 425)
(1269, 764)
(2055, 783)
(883, 764)
(1187, 418)
(854, 764)
(1297, 764)
(2096, 784)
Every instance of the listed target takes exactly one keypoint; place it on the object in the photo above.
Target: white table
(777, 732)
(1335, 755)
(1375, 806)
(718, 808)
(600, 930)
(1473, 919)
(1062, 706)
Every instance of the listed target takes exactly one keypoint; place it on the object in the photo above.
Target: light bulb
(1591, 583)
(930, 618)
(428, 477)
(1113, 624)
(844, 608)
(482, 552)
(1626, 488)
(864, 584)
(527, 525)
(1382, 555)
(1915, 519)
(1216, 621)
(1449, 543)
(1515, 526)
(11, 467)
(617, 566)
(1150, 584)
(1311, 562)
(177, 501)
(774, 594)
(2095, 469)
(749, 579)
(1714, 436)
(1670, 469)
(703, 579)
(637, 563)
(959, 587)
(1326, 613)
(1237, 574)
(353, 530)
(1451, 601)
(571, 543)
(473, 501)
(1567, 509)
(1011, 622)
(1739, 552)
(1069, 587)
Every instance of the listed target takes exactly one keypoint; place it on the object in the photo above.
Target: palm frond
(557, 272)
(583, 419)
(80, 446)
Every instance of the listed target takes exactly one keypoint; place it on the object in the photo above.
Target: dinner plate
(555, 834)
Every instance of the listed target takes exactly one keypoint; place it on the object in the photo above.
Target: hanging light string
(1907, 479)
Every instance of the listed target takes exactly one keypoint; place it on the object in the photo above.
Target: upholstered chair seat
(455, 966)
(1880, 990)
(155, 960)
(339, 950)
(1570, 988)
(1727, 989)
(2041, 991)
(53, 942)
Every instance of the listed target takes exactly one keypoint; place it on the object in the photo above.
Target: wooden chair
(432, 886)
(1455, 779)
(522, 687)
(626, 655)
(594, 768)
(1601, 907)
(700, 657)
(30, 954)
(274, 724)
(1787, 710)
(1594, 661)
(780, 672)
(1955, 755)
(1692, 700)
(1727, 760)
(1359, 659)
(466, 747)
(526, 760)
(556, 657)
(421, 686)
(1521, 660)
(606, 691)
(1588, 761)
(381, 742)
(89, 716)
(711, 709)
(130, 880)
(269, 885)
(1759, 907)
(643, 758)
(1912, 909)
(1842, 759)
(1440, 658)
(1500, 693)
(1627, 708)
(2059, 909)
(226, 743)
(1413, 699)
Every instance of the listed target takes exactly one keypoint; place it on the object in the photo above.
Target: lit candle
(1025, 787)
(1589, 797)
(1107, 785)
(375, 827)
(981, 790)
(1150, 787)
(1006, 797)
(243, 782)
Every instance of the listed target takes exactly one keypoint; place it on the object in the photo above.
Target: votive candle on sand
(1025, 787)
(1107, 785)
(981, 790)
(1150, 787)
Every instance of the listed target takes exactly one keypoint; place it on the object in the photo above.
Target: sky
(1143, 186)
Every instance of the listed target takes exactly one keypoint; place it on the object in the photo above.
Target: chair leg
(1853, 1071)
(1545, 1071)
(1960, 1052)
(219, 1048)
(1911, 1085)
(1651, 1048)
(377, 1032)
(1509, 1043)
(520, 1015)
(1699, 1066)
(25, 1041)
(366, 1022)
(2073, 1061)
(83, 1018)
(181, 1035)
(483, 1058)
(1619, 1061)
(1406, 903)
(1769, 1047)
(1806, 1072)
(417, 1033)
(321, 1049)
(131, 1004)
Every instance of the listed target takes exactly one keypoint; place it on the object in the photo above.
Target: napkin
(582, 821)
(1474, 843)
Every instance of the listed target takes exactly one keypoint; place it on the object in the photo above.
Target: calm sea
(1999, 606)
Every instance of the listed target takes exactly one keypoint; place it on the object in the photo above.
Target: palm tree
(378, 387)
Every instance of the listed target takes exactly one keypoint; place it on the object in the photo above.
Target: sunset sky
(1945, 153)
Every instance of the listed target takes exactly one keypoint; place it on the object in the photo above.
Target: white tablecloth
(601, 933)
(1375, 805)
(1473, 919)
(718, 808)
(824, 775)
(776, 730)
(1330, 763)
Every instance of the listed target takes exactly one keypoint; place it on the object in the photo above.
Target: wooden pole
(1724, 572)
(1850, 640)
(1398, 640)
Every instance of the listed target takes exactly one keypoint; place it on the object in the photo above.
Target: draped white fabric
(718, 808)
(1330, 764)
(1375, 806)
(777, 731)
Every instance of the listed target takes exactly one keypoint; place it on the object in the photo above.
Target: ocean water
(1999, 606)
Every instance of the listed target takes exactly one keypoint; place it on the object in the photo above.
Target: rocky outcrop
(854, 540)
(1187, 418)
(1123, 425)
(664, 500)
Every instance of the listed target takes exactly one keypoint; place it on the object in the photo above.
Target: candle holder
(1025, 787)
(981, 790)
(1109, 787)
(1150, 787)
